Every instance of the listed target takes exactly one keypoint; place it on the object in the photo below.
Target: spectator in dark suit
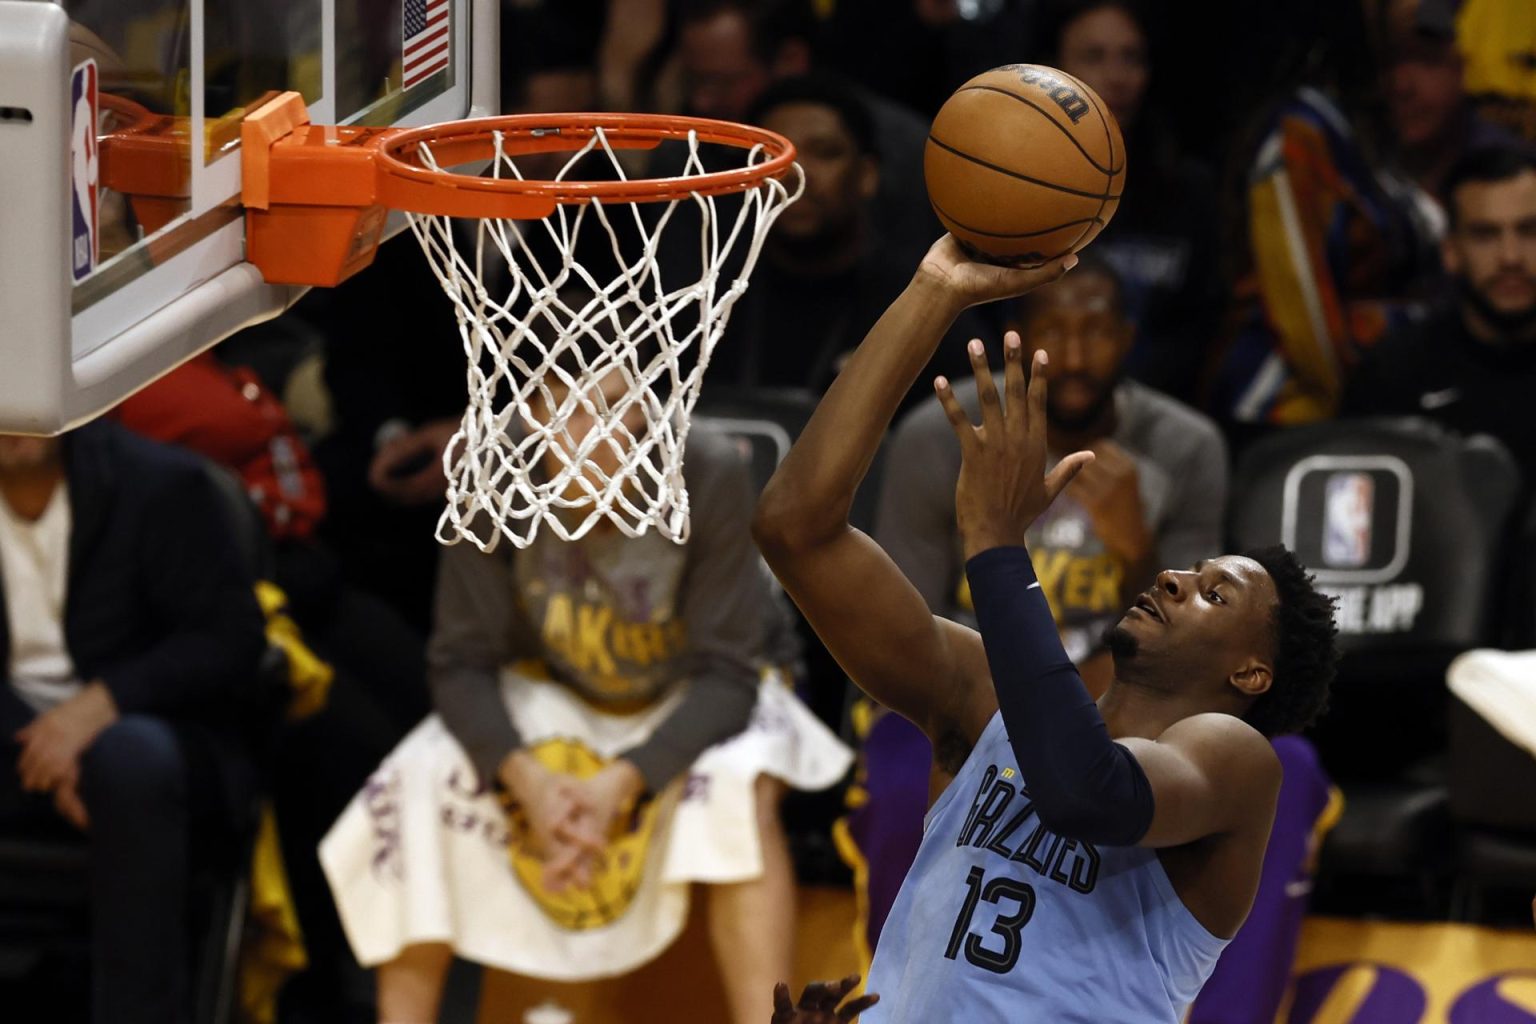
(131, 635)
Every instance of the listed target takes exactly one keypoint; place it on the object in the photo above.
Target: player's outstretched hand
(1003, 484)
(974, 282)
(818, 1003)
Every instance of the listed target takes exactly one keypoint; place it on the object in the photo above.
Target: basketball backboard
(122, 240)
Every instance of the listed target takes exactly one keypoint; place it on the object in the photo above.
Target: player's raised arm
(1203, 774)
(871, 619)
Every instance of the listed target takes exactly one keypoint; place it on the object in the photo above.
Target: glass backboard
(122, 238)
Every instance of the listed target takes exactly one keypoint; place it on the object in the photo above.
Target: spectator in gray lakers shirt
(1155, 494)
(607, 715)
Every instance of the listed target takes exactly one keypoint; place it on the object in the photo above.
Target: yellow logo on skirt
(616, 880)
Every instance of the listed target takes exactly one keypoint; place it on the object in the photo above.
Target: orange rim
(407, 184)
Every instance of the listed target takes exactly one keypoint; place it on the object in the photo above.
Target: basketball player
(1086, 862)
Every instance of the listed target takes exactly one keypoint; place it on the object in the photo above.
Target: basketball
(1024, 163)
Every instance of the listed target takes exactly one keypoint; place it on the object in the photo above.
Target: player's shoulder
(1229, 742)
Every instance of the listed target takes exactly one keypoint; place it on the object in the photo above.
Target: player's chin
(1122, 643)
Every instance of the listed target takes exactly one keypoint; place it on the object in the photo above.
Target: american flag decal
(424, 24)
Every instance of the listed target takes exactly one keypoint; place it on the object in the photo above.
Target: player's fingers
(1017, 281)
(1062, 475)
(783, 1007)
(1037, 365)
(986, 390)
(857, 1007)
(958, 419)
(818, 995)
(1014, 381)
(848, 984)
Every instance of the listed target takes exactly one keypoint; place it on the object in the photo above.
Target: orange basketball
(1024, 163)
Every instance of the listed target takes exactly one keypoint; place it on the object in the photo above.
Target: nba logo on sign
(1349, 518)
(1347, 507)
(84, 249)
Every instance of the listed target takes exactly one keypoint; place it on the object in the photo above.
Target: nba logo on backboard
(84, 165)
(1349, 499)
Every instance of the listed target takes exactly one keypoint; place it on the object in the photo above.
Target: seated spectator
(131, 633)
(378, 692)
(1336, 249)
(1472, 364)
(1433, 122)
(1164, 239)
(1155, 494)
(609, 730)
(826, 270)
(731, 50)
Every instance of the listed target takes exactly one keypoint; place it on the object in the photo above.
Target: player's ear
(1253, 677)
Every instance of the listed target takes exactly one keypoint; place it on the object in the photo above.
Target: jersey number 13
(1007, 926)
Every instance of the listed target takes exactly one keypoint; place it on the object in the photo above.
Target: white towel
(1501, 687)
(421, 856)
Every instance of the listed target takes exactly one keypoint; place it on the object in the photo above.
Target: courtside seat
(1404, 523)
(1520, 620)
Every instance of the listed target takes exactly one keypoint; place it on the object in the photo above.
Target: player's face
(838, 178)
(19, 454)
(1079, 323)
(1107, 51)
(607, 454)
(1493, 247)
(1203, 621)
(722, 74)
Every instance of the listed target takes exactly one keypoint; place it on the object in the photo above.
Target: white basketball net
(524, 456)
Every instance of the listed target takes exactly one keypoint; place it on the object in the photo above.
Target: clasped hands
(569, 819)
(53, 743)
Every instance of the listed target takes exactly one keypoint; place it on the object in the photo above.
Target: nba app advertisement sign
(84, 166)
(1349, 518)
